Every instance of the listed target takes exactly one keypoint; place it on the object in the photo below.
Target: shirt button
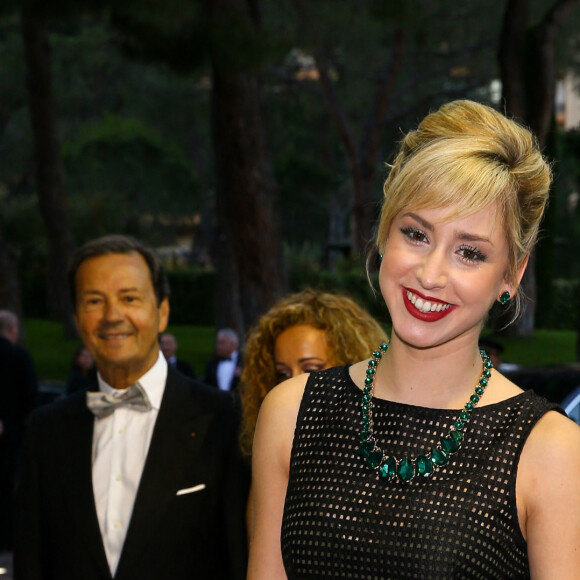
(117, 524)
(119, 478)
(121, 430)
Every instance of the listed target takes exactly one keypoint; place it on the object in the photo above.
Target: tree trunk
(362, 159)
(9, 283)
(528, 74)
(49, 169)
(246, 188)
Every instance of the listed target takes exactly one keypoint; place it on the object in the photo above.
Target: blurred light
(3, 571)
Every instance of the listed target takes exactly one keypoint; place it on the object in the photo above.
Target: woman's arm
(548, 489)
(270, 468)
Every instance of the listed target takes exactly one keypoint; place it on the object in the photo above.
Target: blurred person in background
(169, 346)
(83, 372)
(18, 391)
(224, 369)
(304, 332)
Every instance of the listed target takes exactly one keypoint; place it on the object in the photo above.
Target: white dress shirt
(225, 371)
(120, 445)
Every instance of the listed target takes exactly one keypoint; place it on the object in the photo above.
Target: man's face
(224, 346)
(118, 317)
(168, 345)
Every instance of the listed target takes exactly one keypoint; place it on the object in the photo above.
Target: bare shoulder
(278, 414)
(547, 496)
(557, 436)
(285, 398)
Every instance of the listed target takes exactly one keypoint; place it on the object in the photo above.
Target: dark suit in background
(199, 535)
(183, 367)
(211, 370)
(18, 391)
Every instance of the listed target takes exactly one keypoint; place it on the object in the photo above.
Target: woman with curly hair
(307, 331)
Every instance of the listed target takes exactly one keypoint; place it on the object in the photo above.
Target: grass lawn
(52, 352)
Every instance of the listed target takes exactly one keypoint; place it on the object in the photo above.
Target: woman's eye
(312, 368)
(414, 234)
(282, 376)
(472, 254)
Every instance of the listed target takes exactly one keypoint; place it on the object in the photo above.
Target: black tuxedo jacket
(210, 376)
(184, 368)
(198, 535)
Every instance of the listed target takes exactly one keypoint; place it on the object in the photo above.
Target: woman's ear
(512, 287)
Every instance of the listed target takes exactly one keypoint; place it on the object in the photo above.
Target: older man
(140, 478)
(224, 369)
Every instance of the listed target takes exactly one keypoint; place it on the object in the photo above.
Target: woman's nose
(432, 271)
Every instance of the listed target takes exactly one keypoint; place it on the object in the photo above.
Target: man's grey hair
(229, 333)
(7, 320)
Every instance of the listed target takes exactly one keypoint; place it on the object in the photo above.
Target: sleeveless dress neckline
(341, 521)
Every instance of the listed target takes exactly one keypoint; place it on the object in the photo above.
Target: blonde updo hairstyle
(469, 156)
(350, 331)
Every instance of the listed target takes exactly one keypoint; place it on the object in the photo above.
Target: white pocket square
(191, 489)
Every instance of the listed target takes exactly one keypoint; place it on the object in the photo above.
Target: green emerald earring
(505, 298)
(381, 256)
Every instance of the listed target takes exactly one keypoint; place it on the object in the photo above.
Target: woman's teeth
(426, 305)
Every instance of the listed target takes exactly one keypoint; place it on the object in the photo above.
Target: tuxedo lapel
(177, 437)
(77, 477)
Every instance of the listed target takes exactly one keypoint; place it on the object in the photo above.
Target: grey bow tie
(103, 405)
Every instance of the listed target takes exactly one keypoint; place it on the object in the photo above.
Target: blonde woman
(424, 461)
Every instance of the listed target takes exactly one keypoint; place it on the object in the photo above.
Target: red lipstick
(425, 316)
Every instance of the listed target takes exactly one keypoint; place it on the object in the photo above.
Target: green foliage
(349, 278)
(564, 309)
(120, 171)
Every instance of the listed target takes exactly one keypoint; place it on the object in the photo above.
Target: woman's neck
(440, 377)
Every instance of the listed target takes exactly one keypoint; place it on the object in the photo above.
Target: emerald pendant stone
(424, 466)
(405, 470)
(374, 459)
(371, 372)
(372, 363)
(365, 449)
(365, 408)
(474, 399)
(479, 391)
(364, 435)
(368, 382)
(483, 382)
(459, 425)
(457, 435)
(449, 445)
(366, 398)
(486, 373)
(377, 354)
(388, 469)
(439, 457)
(487, 364)
(384, 346)
(469, 406)
(464, 416)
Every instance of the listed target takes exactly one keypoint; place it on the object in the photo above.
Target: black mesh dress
(341, 521)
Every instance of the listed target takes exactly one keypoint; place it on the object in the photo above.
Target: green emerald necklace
(405, 469)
